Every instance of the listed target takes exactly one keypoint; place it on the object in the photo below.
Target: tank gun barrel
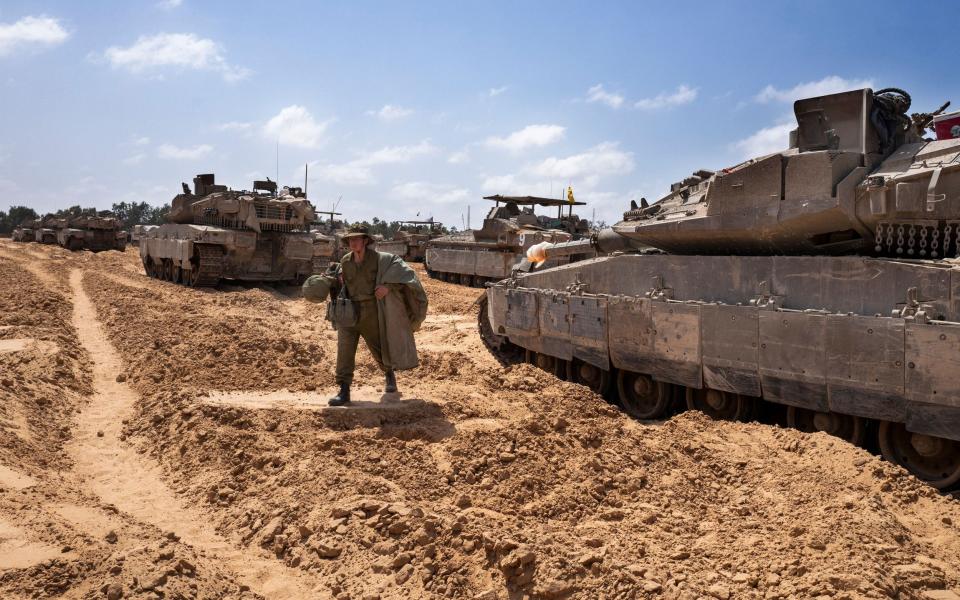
(606, 241)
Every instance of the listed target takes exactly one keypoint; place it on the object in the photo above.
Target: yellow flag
(570, 194)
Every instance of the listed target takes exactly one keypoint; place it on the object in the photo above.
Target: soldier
(390, 303)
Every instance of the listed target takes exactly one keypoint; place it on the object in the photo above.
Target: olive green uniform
(360, 280)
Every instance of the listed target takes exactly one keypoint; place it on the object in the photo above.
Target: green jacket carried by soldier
(375, 296)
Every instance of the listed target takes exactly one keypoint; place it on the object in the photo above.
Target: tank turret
(858, 179)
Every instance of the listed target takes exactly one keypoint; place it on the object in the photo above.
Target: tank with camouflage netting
(490, 253)
(820, 283)
(217, 233)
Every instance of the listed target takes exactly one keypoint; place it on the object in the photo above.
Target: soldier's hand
(381, 291)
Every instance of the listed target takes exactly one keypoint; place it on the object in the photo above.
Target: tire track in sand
(119, 475)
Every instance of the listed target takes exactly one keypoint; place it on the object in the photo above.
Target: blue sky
(426, 107)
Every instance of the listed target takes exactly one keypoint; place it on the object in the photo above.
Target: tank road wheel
(550, 364)
(641, 397)
(167, 267)
(178, 274)
(846, 427)
(206, 266)
(720, 405)
(148, 266)
(586, 374)
(466, 280)
(933, 459)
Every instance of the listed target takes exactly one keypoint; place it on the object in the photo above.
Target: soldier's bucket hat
(358, 231)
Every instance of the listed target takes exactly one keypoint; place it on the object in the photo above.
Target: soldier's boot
(390, 383)
(343, 398)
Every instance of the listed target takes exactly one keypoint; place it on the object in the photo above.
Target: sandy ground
(160, 441)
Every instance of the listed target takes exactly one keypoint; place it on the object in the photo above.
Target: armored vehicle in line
(490, 253)
(22, 233)
(92, 233)
(410, 241)
(824, 279)
(327, 244)
(137, 232)
(216, 233)
(45, 231)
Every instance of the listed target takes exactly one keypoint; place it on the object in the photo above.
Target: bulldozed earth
(162, 441)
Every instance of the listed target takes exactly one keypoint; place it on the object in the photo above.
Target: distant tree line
(13, 217)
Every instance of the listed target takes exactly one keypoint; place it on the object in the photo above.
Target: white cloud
(169, 4)
(176, 50)
(359, 171)
(765, 141)
(493, 92)
(295, 126)
(603, 159)
(828, 85)
(136, 159)
(433, 193)
(237, 126)
(683, 95)
(141, 141)
(171, 152)
(528, 137)
(459, 158)
(598, 94)
(342, 174)
(31, 31)
(390, 112)
(396, 154)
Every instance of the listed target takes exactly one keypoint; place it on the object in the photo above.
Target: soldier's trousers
(367, 327)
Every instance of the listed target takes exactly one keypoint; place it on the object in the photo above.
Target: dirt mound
(485, 482)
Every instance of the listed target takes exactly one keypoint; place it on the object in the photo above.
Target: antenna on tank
(278, 162)
(306, 169)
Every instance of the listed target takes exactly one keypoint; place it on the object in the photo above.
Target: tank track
(506, 352)
(210, 267)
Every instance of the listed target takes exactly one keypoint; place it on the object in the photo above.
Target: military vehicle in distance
(823, 279)
(410, 241)
(23, 232)
(216, 233)
(490, 253)
(92, 233)
(45, 231)
(327, 245)
(137, 232)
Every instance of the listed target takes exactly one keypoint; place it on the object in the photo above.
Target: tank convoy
(510, 228)
(217, 233)
(823, 279)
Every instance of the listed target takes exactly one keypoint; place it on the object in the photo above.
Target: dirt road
(159, 440)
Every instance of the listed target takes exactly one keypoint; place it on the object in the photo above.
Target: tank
(820, 284)
(92, 233)
(217, 233)
(489, 254)
(137, 232)
(327, 241)
(45, 231)
(410, 240)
